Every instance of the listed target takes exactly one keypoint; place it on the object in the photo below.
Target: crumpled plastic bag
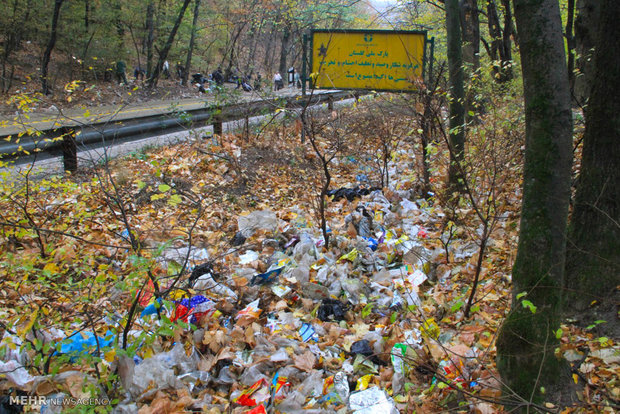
(257, 220)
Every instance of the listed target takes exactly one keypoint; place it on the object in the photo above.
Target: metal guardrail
(65, 139)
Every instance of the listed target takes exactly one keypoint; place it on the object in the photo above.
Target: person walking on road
(278, 83)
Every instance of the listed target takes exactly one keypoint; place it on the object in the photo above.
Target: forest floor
(223, 233)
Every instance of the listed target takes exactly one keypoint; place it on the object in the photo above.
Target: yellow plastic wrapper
(363, 382)
(430, 329)
(351, 256)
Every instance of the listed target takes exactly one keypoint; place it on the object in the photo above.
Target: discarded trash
(331, 309)
(307, 333)
(371, 401)
(250, 312)
(248, 257)
(266, 278)
(238, 239)
(349, 193)
(363, 382)
(256, 394)
(257, 220)
(80, 343)
(15, 373)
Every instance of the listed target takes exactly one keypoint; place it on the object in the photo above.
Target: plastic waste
(238, 239)
(79, 343)
(225, 377)
(257, 220)
(331, 309)
(16, 373)
(307, 333)
(266, 278)
(248, 257)
(256, 394)
(159, 371)
(349, 193)
(252, 375)
(371, 401)
(250, 312)
(206, 282)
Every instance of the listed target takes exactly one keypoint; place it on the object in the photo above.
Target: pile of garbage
(291, 326)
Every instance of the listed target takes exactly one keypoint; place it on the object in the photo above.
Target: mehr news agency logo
(41, 401)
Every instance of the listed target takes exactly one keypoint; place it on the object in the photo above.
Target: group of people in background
(215, 79)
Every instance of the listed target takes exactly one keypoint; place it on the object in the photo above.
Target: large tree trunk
(163, 55)
(50, 46)
(150, 36)
(593, 263)
(457, 94)
(190, 49)
(283, 52)
(527, 340)
(586, 23)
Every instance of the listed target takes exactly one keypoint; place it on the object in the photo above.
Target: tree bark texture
(50, 46)
(283, 52)
(190, 49)
(470, 28)
(500, 49)
(586, 24)
(163, 55)
(150, 36)
(457, 93)
(526, 342)
(594, 243)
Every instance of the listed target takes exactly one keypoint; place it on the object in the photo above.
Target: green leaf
(367, 309)
(174, 200)
(141, 184)
(393, 317)
(475, 308)
(520, 295)
(458, 305)
(558, 333)
(530, 305)
(163, 188)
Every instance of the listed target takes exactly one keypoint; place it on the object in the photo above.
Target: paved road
(42, 121)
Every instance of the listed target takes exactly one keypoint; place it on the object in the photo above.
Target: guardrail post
(330, 103)
(69, 150)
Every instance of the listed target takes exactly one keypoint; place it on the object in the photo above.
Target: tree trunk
(150, 36)
(593, 263)
(587, 21)
(190, 49)
(527, 340)
(506, 50)
(163, 55)
(457, 94)
(570, 44)
(283, 52)
(50, 46)
(470, 28)
(500, 50)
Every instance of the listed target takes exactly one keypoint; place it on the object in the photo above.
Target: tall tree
(50, 46)
(500, 49)
(593, 262)
(586, 22)
(150, 36)
(457, 93)
(526, 343)
(190, 49)
(163, 55)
